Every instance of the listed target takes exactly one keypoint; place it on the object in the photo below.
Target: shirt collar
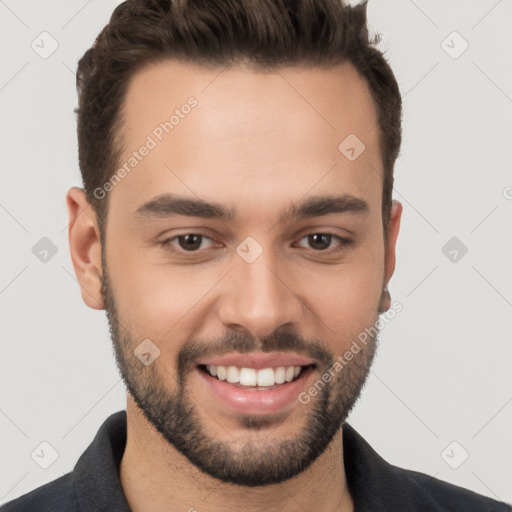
(97, 474)
(375, 485)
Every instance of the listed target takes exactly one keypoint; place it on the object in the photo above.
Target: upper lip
(258, 360)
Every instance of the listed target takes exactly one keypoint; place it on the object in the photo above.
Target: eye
(321, 242)
(190, 242)
(194, 242)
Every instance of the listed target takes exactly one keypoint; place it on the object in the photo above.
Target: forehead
(259, 137)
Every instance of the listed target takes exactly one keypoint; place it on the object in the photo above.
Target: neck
(157, 477)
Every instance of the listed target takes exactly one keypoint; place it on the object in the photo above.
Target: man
(238, 228)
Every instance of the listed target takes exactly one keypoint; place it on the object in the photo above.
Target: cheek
(155, 300)
(347, 297)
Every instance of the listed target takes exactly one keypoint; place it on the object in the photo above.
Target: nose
(259, 297)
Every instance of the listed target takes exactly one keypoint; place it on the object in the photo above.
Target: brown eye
(321, 242)
(190, 242)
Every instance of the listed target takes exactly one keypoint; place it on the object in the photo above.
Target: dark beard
(175, 415)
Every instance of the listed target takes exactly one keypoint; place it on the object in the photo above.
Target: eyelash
(167, 244)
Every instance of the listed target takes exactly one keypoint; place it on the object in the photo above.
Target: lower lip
(256, 401)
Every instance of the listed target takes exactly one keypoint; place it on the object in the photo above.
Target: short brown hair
(268, 33)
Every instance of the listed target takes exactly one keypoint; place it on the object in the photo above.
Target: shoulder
(55, 496)
(444, 496)
(378, 485)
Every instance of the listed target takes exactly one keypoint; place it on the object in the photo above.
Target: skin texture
(257, 142)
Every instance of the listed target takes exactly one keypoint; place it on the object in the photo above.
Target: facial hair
(175, 414)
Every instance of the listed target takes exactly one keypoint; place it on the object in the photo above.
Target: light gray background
(443, 368)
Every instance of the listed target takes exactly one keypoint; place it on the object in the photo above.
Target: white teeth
(280, 374)
(248, 377)
(265, 377)
(232, 374)
(221, 372)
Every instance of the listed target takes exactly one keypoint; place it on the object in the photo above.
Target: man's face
(255, 290)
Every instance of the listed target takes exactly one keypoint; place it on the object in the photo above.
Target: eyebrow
(169, 205)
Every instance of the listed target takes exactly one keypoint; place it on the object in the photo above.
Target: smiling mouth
(256, 379)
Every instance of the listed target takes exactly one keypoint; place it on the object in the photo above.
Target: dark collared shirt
(375, 485)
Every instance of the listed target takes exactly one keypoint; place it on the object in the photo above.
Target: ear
(85, 246)
(390, 253)
(391, 237)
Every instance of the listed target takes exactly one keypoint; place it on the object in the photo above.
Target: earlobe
(85, 246)
(385, 301)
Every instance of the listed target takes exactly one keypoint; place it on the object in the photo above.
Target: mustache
(244, 343)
